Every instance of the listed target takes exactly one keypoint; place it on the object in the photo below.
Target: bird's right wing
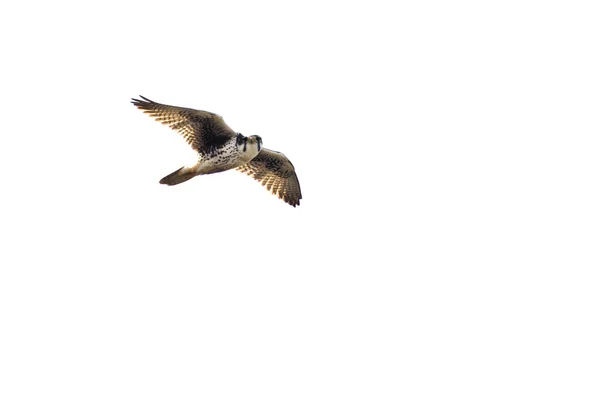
(275, 172)
(203, 131)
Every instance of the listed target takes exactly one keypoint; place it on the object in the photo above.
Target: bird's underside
(219, 149)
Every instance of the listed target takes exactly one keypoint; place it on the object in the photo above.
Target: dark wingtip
(293, 203)
(138, 102)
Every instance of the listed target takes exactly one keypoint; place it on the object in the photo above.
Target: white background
(447, 242)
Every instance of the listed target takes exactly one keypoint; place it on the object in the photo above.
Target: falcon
(220, 149)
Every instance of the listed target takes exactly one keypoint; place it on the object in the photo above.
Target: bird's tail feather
(179, 176)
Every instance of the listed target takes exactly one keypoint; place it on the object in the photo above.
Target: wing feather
(203, 131)
(276, 173)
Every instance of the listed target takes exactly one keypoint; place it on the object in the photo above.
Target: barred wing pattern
(203, 131)
(276, 173)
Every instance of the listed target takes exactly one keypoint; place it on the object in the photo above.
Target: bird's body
(220, 149)
(224, 158)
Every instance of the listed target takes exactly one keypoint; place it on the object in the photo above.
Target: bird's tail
(179, 176)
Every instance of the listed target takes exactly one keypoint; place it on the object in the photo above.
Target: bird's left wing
(275, 172)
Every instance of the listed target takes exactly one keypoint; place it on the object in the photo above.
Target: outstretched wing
(203, 131)
(276, 173)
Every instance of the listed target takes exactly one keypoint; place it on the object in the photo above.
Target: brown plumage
(276, 173)
(203, 131)
(220, 148)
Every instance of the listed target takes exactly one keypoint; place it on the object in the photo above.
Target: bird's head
(250, 145)
(255, 140)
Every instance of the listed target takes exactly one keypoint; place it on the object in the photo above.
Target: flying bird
(220, 149)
